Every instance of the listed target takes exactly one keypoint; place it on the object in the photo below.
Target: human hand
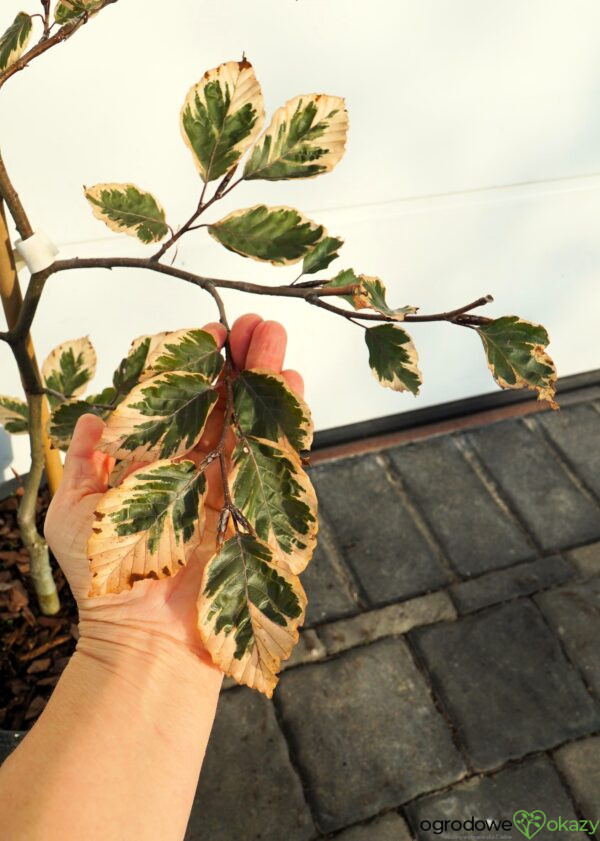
(164, 609)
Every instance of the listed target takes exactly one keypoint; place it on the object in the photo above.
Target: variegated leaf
(14, 415)
(249, 611)
(126, 209)
(192, 350)
(67, 10)
(148, 527)
(222, 116)
(65, 416)
(279, 235)
(517, 358)
(14, 40)
(346, 277)
(162, 417)
(266, 407)
(324, 253)
(307, 137)
(371, 295)
(69, 368)
(393, 358)
(274, 493)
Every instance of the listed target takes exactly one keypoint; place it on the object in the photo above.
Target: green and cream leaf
(279, 235)
(69, 368)
(192, 350)
(306, 137)
(516, 355)
(274, 493)
(222, 117)
(148, 527)
(249, 611)
(68, 10)
(126, 209)
(14, 415)
(14, 40)
(266, 407)
(371, 295)
(162, 417)
(65, 416)
(324, 253)
(393, 358)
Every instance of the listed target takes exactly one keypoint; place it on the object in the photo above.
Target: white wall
(473, 166)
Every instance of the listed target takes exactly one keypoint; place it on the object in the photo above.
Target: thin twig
(221, 191)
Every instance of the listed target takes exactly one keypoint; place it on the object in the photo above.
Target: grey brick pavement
(452, 666)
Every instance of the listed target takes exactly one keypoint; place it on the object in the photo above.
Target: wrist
(146, 657)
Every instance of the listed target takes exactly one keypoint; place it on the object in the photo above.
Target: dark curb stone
(366, 732)
(9, 739)
(576, 431)
(531, 785)
(391, 827)
(327, 584)
(375, 532)
(521, 580)
(579, 763)
(537, 485)
(475, 532)
(506, 683)
(574, 613)
(248, 789)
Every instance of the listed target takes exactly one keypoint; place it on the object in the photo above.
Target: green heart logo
(529, 823)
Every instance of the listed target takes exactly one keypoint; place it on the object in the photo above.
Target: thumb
(86, 470)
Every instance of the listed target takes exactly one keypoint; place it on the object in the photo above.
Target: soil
(34, 649)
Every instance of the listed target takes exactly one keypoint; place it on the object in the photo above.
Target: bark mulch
(34, 649)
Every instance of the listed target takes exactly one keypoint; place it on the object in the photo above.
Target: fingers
(294, 380)
(85, 469)
(241, 335)
(217, 331)
(267, 347)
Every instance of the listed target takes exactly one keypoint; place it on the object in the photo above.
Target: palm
(168, 606)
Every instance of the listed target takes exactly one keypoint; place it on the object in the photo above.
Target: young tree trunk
(10, 292)
(40, 570)
(41, 452)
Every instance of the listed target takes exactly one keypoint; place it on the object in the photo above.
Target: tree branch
(63, 34)
(210, 284)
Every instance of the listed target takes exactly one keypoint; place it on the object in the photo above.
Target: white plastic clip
(38, 251)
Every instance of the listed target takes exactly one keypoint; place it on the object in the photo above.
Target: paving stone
(576, 431)
(327, 583)
(504, 680)
(537, 485)
(308, 649)
(579, 763)
(391, 827)
(365, 732)
(529, 786)
(375, 531)
(520, 580)
(9, 739)
(586, 559)
(248, 789)
(386, 622)
(477, 534)
(574, 612)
